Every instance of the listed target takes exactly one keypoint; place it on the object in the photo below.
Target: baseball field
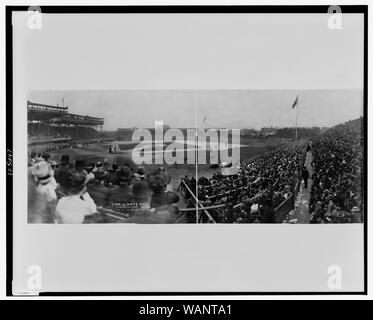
(249, 149)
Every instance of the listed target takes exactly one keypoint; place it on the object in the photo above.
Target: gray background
(92, 52)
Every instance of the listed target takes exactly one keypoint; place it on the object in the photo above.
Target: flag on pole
(204, 122)
(295, 103)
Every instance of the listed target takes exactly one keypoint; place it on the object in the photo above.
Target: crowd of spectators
(42, 148)
(82, 191)
(259, 186)
(336, 192)
(38, 130)
(49, 147)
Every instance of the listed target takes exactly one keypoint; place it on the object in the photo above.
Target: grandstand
(47, 123)
(53, 127)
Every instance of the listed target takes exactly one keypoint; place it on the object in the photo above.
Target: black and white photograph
(245, 156)
(187, 149)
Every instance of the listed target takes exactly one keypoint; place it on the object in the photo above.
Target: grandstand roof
(60, 115)
(43, 112)
(44, 106)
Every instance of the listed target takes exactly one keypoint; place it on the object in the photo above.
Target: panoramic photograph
(195, 156)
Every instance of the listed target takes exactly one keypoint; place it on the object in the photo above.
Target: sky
(222, 108)
(247, 69)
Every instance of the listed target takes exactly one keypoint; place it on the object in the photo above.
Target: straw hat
(42, 171)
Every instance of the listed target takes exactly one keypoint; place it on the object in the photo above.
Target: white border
(2, 162)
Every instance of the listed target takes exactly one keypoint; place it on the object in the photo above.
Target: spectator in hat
(78, 204)
(46, 157)
(141, 195)
(158, 183)
(111, 180)
(114, 167)
(90, 175)
(80, 166)
(106, 165)
(167, 178)
(97, 165)
(139, 175)
(305, 176)
(163, 214)
(32, 158)
(45, 191)
(62, 173)
(36, 205)
(120, 198)
(97, 189)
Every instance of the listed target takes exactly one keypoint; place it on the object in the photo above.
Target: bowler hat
(76, 183)
(79, 164)
(65, 159)
(101, 174)
(141, 190)
(124, 174)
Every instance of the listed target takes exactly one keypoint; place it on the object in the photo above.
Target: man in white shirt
(77, 204)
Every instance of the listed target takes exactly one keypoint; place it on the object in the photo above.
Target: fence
(184, 188)
(191, 200)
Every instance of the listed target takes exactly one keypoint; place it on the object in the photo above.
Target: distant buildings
(249, 132)
(268, 132)
(125, 133)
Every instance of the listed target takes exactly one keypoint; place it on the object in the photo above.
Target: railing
(184, 187)
(283, 209)
(199, 207)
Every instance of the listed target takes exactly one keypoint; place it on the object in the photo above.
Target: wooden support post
(198, 203)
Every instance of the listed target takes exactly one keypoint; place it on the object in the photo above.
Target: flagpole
(196, 152)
